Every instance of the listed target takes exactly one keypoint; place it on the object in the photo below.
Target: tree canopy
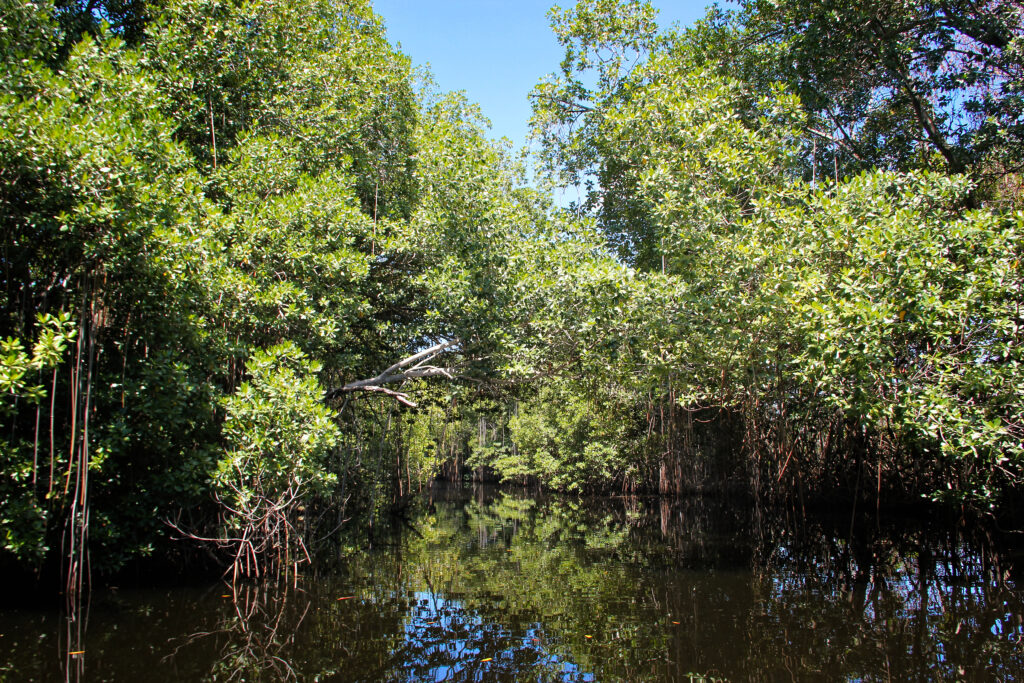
(243, 242)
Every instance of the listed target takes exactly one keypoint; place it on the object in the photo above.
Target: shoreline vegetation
(262, 281)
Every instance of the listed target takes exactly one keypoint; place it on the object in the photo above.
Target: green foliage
(906, 311)
(22, 514)
(278, 434)
(567, 440)
(26, 32)
(198, 181)
(898, 85)
(55, 333)
(316, 71)
(874, 307)
(231, 207)
(421, 453)
(602, 40)
(192, 201)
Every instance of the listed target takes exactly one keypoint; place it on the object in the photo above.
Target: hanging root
(265, 543)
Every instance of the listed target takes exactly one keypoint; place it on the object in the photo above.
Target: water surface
(491, 585)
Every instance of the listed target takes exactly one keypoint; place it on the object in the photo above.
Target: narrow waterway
(492, 585)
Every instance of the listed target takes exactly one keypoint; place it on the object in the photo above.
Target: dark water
(498, 586)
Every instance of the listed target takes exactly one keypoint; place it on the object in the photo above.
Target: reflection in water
(446, 641)
(76, 618)
(505, 587)
(254, 636)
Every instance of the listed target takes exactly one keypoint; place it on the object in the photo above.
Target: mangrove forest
(264, 286)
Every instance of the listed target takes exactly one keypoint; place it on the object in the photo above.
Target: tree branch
(397, 395)
(394, 373)
(842, 143)
(570, 106)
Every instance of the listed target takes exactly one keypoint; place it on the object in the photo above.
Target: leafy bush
(279, 435)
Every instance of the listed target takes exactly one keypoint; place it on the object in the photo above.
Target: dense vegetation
(258, 273)
(821, 209)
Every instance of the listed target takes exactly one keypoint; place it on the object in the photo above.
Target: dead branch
(415, 366)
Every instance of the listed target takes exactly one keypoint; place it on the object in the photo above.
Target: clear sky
(494, 50)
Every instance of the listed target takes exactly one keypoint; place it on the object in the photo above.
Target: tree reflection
(255, 637)
(654, 590)
(509, 587)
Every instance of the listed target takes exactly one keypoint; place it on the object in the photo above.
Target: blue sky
(494, 50)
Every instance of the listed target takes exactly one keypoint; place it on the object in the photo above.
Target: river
(499, 585)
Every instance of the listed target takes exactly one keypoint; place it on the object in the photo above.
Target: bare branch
(424, 356)
(418, 370)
